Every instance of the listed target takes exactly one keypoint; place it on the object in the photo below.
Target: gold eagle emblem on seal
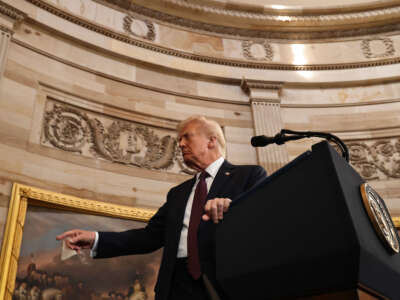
(380, 217)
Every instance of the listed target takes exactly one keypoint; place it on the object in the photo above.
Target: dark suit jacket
(164, 228)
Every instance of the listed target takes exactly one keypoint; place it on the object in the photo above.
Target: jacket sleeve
(134, 241)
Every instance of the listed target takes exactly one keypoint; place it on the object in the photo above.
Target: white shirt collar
(213, 168)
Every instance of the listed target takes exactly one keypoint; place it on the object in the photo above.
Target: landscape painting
(43, 271)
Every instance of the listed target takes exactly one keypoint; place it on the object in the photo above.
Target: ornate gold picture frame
(24, 196)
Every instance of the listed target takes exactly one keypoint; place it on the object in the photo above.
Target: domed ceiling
(292, 19)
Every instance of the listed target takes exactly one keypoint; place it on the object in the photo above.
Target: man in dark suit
(182, 224)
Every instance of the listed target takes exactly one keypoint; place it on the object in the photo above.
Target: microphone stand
(288, 135)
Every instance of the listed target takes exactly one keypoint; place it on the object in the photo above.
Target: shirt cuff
(93, 251)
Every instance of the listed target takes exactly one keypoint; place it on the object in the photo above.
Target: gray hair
(210, 128)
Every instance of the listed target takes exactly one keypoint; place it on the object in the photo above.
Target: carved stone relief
(376, 159)
(378, 47)
(102, 137)
(257, 51)
(139, 28)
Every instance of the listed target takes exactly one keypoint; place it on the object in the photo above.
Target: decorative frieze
(378, 47)
(376, 159)
(103, 137)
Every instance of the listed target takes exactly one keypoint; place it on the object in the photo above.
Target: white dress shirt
(212, 170)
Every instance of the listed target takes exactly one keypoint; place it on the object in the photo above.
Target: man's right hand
(78, 239)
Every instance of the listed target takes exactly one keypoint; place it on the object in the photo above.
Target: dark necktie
(199, 201)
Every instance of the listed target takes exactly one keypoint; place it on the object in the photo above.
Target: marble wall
(90, 97)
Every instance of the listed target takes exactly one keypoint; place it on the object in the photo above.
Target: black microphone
(289, 135)
(279, 139)
(262, 140)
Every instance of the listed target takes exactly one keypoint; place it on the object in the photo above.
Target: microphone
(279, 139)
(262, 140)
(289, 135)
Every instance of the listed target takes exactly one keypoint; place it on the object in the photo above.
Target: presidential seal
(380, 218)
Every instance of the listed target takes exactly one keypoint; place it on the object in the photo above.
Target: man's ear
(212, 142)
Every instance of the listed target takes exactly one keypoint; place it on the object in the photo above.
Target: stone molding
(89, 25)
(301, 22)
(134, 83)
(6, 30)
(263, 34)
(248, 84)
(12, 12)
(99, 136)
(80, 100)
(207, 59)
(196, 97)
(266, 100)
(376, 159)
(298, 16)
(327, 105)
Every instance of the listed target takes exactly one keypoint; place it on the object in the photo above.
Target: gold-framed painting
(31, 265)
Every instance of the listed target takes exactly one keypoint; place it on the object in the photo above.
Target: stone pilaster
(5, 37)
(10, 18)
(265, 103)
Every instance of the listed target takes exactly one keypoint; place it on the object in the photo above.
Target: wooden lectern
(304, 233)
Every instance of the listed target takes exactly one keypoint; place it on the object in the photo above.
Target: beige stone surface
(239, 150)
(356, 95)
(344, 118)
(192, 42)
(241, 154)
(118, 187)
(166, 81)
(221, 90)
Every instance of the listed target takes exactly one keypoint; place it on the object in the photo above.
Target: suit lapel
(220, 180)
(184, 197)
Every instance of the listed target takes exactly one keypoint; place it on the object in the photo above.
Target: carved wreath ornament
(248, 51)
(385, 45)
(115, 140)
(139, 28)
(376, 159)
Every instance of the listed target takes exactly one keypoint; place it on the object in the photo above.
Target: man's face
(194, 145)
